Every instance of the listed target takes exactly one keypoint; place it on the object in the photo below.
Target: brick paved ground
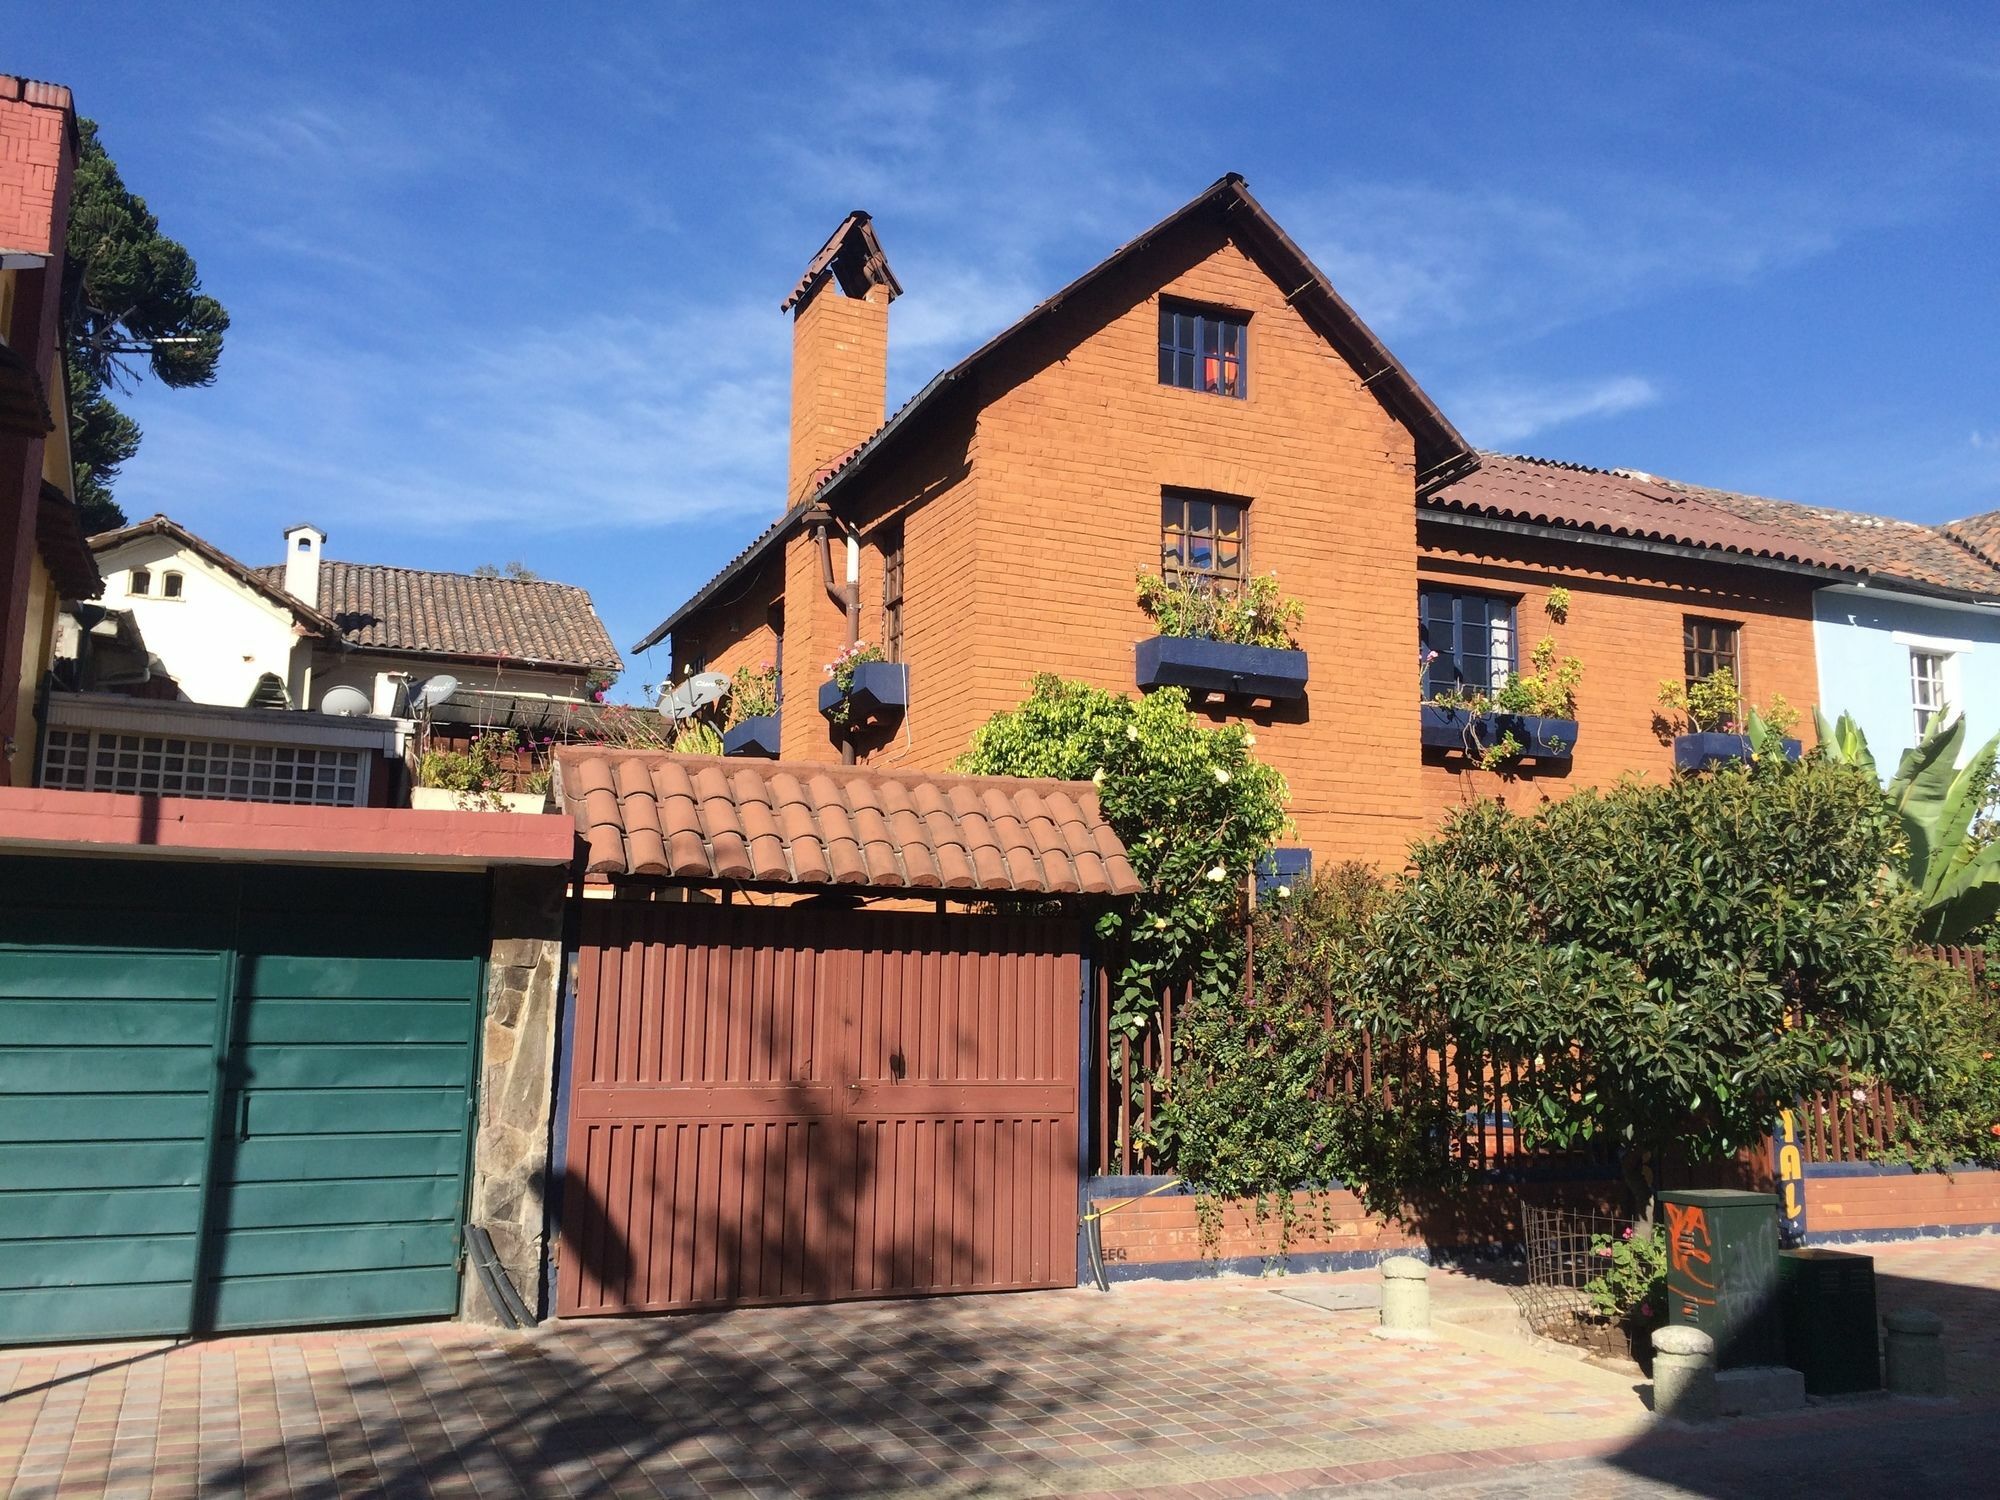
(1209, 1389)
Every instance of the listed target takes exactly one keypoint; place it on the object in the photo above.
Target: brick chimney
(840, 351)
(302, 549)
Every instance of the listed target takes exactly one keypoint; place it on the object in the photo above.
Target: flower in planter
(841, 670)
(1253, 614)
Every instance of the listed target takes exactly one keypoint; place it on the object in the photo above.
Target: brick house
(1204, 395)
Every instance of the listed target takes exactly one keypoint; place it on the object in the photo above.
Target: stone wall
(517, 1081)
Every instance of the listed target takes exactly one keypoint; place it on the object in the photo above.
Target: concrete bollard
(1406, 1295)
(1916, 1352)
(1684, 1374)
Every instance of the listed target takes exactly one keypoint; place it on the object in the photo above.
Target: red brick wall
(1877, 1205)
(33, 121)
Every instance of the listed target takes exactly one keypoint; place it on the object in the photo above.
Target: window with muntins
(98, 760)
(1203, 350)
(1927, 690)
(141, 582)
(1711, 646)
(1204, 539)
(170, 585)
(892, 596)
(1472, 636)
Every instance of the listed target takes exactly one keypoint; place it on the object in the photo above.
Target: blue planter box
(1221, 667)
(1692, 752)
(881, 689)
(758, 736)
(1541, 738)
(1448, 728)
(1460, 729)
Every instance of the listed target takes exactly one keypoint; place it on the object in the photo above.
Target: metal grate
(1561, 1263)
(87, 760)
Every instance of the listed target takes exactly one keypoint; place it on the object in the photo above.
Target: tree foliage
(1949, 859)
(1195, 809)
(131, 296)
(1679, 960)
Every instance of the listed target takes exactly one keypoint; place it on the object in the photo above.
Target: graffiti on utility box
(1789, 1167)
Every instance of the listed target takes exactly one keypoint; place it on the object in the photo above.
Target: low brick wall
(1159, 1235)
(1853, 1202)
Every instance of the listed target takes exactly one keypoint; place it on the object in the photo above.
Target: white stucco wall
(1863, 639)
(218, 638)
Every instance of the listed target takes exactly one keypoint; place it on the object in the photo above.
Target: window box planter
(1461, 729)
(1541, 738)
(1693, 752)
(1188, 661)
(758, 736)
(1447, 728)
(881, 690)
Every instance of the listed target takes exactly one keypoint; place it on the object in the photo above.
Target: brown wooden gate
(802, 1104)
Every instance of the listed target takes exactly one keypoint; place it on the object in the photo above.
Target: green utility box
(1827, 1304)
(1722, 1271)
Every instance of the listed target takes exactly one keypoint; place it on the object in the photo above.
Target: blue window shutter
(1287, 867)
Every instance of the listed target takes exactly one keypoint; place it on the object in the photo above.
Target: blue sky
(505, 278)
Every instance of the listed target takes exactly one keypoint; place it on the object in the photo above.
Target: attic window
(142, 582)
(1203, 350)
(170, 585)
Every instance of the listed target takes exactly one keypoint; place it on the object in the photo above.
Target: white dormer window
(141, 582)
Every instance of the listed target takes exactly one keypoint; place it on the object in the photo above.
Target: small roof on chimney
(853, 257)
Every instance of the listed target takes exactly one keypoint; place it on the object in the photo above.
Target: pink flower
(1645, 1309)
(1628, 1232)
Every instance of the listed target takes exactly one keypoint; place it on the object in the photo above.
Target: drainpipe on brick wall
(847, 596)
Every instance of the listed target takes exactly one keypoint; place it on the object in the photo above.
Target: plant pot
(758, 736)
(1272, 672)
(443, 799)
(881, 690)
(1541, 738)
(1693, 752)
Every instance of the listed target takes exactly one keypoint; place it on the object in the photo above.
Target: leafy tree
(1194, 808)
(1678, 960)
(1949, 858)
(131, 294)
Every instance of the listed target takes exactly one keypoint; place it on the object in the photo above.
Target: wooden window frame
(1228, 580)
(1716, 656)
(893, 573)
(1205, 349)
(1940, 681)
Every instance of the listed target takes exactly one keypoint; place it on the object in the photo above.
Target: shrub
(1253, 1112)
(476, 770)
(753, 693)
(1195, 809)
(1952, 1071)
(1632, 1287)
(1679, 959)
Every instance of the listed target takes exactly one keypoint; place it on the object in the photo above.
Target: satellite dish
(692, 696)
(348, 702)
(428, 694)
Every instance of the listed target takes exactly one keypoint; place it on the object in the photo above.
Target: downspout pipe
(847, 595)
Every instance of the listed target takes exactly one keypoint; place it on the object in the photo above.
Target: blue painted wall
(1864, 669)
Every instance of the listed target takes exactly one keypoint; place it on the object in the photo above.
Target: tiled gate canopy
(647, 812)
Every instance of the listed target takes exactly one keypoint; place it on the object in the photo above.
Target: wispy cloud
(1498, 415)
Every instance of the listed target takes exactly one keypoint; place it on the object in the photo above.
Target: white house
(287, 634)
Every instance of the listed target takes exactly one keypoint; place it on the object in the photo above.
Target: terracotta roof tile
(647, 812)
(460, 614)
(1960, 557)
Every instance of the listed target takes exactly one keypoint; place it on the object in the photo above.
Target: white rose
(1218, 873)
(1097, 777)
(1131, 731)
(1221, 777)
(1284, 891)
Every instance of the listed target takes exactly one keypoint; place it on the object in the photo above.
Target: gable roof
(256, 580)
(529, 622)
(1979, 534)
(1441, 450)
(1631, 507)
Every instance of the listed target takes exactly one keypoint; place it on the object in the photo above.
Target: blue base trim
(1299, 1265)
(1889, 1236)
(1886, 1169)
(1134, 1186)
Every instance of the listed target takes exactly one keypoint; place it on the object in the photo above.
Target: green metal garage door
(229, 1097)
